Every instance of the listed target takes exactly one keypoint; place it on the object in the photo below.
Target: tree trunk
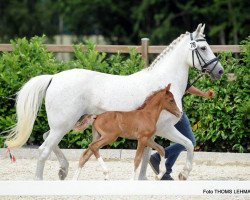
(222, 37)
(233, 22)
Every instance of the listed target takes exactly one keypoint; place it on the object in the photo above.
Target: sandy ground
(24, 169)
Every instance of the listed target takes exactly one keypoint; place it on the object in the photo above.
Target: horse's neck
(172, 69)
(153, 107)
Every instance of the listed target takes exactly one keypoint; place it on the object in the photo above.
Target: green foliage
(76, 140)
(21, 18)
(246, 51)
(112, 64)
(222, 123)
(28, 59)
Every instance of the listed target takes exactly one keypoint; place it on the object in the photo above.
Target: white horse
(73, 93)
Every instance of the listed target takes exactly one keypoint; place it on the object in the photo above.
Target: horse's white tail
(29, 100)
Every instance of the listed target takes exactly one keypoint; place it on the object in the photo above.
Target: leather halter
(200, 58)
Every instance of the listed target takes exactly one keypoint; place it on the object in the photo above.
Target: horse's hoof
(182, 177)
(159, 176)
(144, 178)
(38, 178)
(106, 178)
(62, 174)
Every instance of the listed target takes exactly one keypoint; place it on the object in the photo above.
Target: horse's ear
(198, 30)
(168, 87)
(202, 29)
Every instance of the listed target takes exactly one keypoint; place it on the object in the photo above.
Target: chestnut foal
(139, 124)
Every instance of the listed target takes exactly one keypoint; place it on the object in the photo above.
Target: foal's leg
(139, 151)
(83, 159)
(151, 143)
(64, 164)
(95, 146)
(86, 155)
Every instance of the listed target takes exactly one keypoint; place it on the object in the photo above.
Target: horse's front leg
(174, 135)
(142, 142)
(162, 169)
(144, 163)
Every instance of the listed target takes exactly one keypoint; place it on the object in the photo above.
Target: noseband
(195, 50)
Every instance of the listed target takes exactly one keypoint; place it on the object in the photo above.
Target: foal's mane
(149, 98)
(167, 50)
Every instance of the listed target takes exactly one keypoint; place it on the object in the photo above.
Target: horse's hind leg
(144, 164)
(64, 164)
(45, 149)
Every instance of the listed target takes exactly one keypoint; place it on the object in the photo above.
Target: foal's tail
(29, 100)
(84, 122)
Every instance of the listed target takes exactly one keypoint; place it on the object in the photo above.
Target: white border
(124, 188)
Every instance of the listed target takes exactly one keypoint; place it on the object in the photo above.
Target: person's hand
(210, 93)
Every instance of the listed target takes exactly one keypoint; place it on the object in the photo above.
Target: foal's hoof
(182, 177)
(62, 174)
(106, 176)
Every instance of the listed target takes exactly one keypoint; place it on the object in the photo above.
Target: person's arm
(198, 92)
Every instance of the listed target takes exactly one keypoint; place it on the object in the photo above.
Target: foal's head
(168, 102)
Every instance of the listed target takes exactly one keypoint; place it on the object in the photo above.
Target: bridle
(193, 47)
(204, 69)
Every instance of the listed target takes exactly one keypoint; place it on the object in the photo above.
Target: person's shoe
(167, 177)
(154, 163)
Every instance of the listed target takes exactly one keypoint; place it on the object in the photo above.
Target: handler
(183, 126)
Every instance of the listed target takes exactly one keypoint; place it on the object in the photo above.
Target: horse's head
(202, 56)
(168, 102)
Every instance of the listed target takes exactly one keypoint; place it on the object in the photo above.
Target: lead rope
(200, 75)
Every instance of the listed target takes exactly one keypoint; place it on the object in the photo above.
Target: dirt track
(24, 169)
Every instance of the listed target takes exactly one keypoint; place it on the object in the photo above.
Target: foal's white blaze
(76, 92)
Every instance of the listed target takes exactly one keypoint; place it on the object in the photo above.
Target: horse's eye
(204, 48)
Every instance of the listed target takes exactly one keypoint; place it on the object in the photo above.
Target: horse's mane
(167, 50)
(149, 98)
